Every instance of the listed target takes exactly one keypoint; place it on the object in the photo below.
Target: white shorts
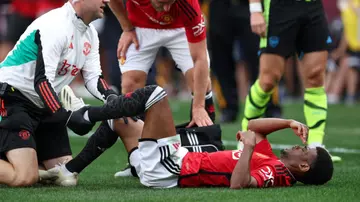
(158, 162)
(150, 41)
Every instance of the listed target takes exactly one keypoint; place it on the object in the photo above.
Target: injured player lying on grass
(160, 161)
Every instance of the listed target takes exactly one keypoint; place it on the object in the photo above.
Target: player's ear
(304, 167)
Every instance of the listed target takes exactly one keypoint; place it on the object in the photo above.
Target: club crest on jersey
(87, 48)
(167, 19)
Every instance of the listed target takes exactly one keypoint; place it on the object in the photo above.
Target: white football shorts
(158, 162)
(150, 41)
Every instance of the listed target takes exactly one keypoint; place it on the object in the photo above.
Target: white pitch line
(274, 146)
(284, 146)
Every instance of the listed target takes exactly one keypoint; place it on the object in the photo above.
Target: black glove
(78, 124)
(113, 97)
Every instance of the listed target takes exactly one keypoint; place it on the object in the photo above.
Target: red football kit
(183, 13)
(215, 169)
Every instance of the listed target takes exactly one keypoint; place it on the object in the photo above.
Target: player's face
(162, 5)
(298, 154)
(96, 8)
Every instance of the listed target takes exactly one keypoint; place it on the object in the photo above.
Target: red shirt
(215, 169)
(183, 13)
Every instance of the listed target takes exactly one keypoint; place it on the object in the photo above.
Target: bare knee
(268, 82)
(271, 71)
(314, 67)
(132, 81)
(24, 180)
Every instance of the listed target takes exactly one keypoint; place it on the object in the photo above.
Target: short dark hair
(321, 170)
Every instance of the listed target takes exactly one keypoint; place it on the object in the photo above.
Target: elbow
(239, 185)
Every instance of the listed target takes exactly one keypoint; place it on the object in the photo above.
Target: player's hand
(258, 24)
(78, 124)
(200, 117)
(126, 39)
(300, 129)
(248, 138)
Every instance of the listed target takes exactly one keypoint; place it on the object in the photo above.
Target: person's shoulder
(56, 20)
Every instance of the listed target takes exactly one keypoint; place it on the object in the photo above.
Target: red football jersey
(215, 169)
(183, 13)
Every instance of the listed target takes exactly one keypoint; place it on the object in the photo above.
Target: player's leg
(21, 168)
(53, 148)
(158, 157)
(271, 69)
(138, 62)
(313, 41)
(278, 44)
(17, 140)
(180, 52)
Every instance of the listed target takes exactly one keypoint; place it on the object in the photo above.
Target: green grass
(97, 182)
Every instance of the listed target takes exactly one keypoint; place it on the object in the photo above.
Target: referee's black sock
(101, 140)
(128, 105)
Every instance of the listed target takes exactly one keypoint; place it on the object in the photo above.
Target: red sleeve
(264, 176)
(194, 20)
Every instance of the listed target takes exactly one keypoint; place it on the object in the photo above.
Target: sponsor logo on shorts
(24, 134)
(274, 41)
(176, 145)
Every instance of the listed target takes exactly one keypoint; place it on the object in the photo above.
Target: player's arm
(118, 8)
(196, 35)
(50, 47)
(50, 43)
(92, 74)
(241, 176)
(198, 53)
(264, 126)
(129, 35)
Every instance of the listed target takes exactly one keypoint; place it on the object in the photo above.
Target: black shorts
(22, 125)
(294, 26)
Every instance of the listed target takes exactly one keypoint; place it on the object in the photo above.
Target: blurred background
(233, 50)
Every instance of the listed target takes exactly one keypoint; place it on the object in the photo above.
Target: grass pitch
(98, 184)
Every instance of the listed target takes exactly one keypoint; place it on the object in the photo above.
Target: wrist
(249, 147)
(129, 29)
(255, 7)
(288, 122)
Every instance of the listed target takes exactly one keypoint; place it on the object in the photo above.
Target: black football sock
(209, 105)
(128, 105)
(101, 140)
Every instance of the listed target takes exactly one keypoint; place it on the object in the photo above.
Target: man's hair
(321, 170)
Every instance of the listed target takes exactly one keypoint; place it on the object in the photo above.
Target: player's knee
(24, 180)
(267, 83)
(130, 85)
(315, 76)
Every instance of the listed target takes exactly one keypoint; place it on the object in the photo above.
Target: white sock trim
(158, 94)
